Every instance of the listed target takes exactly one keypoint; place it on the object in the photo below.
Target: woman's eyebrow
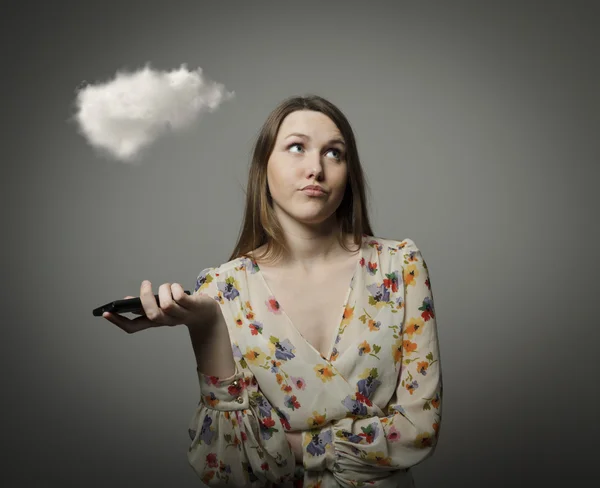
(308, 137)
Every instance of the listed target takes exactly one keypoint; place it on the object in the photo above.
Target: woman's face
(317, 157)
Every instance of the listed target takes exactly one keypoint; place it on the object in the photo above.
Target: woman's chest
(315, 310)
(315, 307)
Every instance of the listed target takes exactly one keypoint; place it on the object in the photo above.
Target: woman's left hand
(295, 440)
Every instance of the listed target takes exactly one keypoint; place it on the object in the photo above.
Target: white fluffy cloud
(129, 112)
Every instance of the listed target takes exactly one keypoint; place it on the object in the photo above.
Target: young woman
(316, 343)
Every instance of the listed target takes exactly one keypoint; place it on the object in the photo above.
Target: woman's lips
(313, 192)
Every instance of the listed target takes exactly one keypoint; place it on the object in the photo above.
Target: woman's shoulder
(405, 245)
(231, 266)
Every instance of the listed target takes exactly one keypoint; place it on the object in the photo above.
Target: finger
(180, 296)
(173, 312)
(148, 301)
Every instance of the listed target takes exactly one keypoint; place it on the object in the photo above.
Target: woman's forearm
(212, 345)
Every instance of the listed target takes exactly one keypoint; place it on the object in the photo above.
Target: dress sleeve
(238, 438)
(364, 449)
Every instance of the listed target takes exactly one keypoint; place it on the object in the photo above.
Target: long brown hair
(260, 224)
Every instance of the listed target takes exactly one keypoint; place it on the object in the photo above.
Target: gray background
(477, 124)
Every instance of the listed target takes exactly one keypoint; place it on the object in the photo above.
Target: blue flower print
(354, 438)
(354, 406)
(367, 386)
(380, 292)
(283, 349)
(229, 291)
(264, 407)
(205, 433)
(237, 353)
(317, 444)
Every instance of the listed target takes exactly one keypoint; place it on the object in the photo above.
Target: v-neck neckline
(336, 329)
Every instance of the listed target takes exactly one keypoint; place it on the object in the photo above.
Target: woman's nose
(314, 160)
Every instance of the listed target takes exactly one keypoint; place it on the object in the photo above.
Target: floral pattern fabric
(369, 410)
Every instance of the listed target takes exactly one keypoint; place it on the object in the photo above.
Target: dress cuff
(318, 449)
(224, 394)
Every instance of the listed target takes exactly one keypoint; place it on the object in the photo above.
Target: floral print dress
(369, 410)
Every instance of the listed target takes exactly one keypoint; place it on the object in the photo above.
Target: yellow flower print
(210, 400)
(422, 367)
(415, 326)
(317, 420)
(324, 372)
(253, 355)
(373, 325)
(364, 348)
(397, 351)
(409, 347)
(424, 440)
(367, 372)
(410, 274)
(380, 458)
(348, 315)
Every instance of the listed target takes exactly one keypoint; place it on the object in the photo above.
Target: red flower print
(363, 399)
(254, 329)
(393, 434)
(298, 382)
(284, 422)
(211, 460)
(235, 390)
(268, 422)
(294, 401)
(209, 475)
(273, 305)
(391, 282)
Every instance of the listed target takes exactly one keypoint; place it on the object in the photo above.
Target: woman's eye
(339, 153)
